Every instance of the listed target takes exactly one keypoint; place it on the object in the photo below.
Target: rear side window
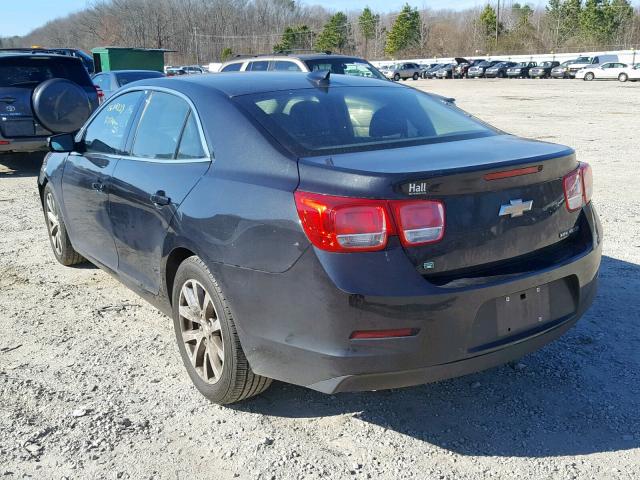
(190, 144)
(106, 132)
(282, 66)
(232, 67)
(30, 71)
(355, 119)
(260, 66)
(160, 126)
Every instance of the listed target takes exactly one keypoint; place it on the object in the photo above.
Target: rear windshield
(345, 66)
(30, 71)
(344, 119)
(128, 77)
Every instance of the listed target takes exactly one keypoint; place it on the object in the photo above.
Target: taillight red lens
(419, 221)
(578, 187)
(345, 224)
(340, 224)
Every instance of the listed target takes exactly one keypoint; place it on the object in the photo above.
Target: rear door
(167, 156)
(87, 178)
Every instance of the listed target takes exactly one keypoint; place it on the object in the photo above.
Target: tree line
(202, 31)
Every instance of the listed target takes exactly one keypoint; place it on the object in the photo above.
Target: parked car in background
(351, 234)
(631, 73)
(308, 62)
(499, 70)
(424, 67)
(85, 58)
(108, 82)
(403, 71)
(461, 70)
(562, 70)
(431, 72)
(175, 71)
(478, 70)
(520, 70)
(584, 62)
(606, 71)
(543, 70)
(32, 79)
(193, 69)
(446, 71)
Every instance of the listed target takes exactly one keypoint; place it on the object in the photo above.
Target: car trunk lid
(484, 189)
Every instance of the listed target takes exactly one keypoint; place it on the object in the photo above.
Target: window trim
(209, 156)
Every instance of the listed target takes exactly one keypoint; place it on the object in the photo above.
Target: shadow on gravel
(579, 395)
(20, 164)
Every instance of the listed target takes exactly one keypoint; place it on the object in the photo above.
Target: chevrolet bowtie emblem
(516, 208)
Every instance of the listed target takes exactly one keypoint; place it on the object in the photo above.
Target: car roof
(235, 84)
(131, 71)
(299, 56)
(54, 56)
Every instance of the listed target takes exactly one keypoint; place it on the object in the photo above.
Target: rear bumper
(31, 144)
(296, 326)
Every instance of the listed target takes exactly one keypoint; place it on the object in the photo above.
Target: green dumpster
(121, 58)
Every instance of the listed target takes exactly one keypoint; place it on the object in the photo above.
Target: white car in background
(605, 71)
(631, 73)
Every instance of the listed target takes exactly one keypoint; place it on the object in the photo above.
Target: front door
(167, 157)
(86, 180)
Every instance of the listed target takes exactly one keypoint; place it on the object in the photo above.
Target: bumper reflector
(394, 333)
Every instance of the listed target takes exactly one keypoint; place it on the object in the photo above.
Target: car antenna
(320, 78)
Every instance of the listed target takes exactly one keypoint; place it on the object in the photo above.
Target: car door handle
(98, 187)
(160, 198)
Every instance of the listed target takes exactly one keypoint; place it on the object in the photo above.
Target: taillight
(339, 224)
(419, 221)
(578, 187)
(345, 224)
(100, 93)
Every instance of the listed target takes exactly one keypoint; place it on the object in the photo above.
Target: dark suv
(27, 78)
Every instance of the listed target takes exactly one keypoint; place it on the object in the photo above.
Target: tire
(204, 324)
(623, 77)
(396, 77)
(58, 237)
(415, 76)
(589, 77)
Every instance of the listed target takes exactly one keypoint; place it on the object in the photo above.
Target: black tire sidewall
(396, 77)
(193, 268)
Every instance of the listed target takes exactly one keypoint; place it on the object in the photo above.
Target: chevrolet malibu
(335, 232)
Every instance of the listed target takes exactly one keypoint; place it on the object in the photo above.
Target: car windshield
(522, 64)
(567, 63)
(584, 60)
(344, 119)
(546, 64)
(128, 77)
(30, 71)
(345, 66)
(485, 64)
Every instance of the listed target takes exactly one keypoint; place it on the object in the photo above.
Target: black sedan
(520, 70)
(499, 70)
(336, 232)
(543, 70)
(109, 82)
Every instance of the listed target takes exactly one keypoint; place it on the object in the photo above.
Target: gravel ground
(92, 386)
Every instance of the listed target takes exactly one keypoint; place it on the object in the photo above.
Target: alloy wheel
(53, 222)
(201, 331)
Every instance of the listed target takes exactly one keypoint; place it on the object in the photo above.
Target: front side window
(160, 126)
(107, 131)
(356, 119)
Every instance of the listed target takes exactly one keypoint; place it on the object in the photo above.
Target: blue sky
(21, 16)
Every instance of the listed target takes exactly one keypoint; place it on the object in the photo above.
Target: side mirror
(63, 142)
